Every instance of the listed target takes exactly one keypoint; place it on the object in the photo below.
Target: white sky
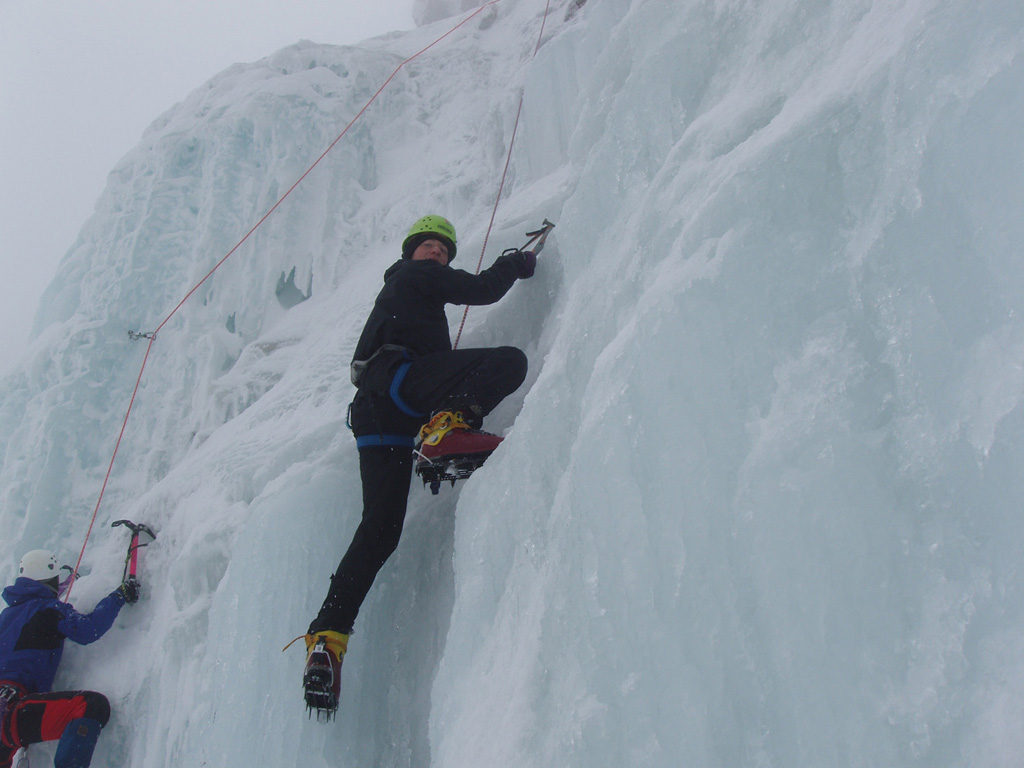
(81, 79)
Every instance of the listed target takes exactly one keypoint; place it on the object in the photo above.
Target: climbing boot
(321, 680)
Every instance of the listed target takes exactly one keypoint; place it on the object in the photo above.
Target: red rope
(152, 336)
(504, 174)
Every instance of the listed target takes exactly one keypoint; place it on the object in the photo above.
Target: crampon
(433, 472)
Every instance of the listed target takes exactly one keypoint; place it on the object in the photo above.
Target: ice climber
(33, 629)
(413, 390)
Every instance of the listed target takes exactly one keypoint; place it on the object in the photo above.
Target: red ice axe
(131, 561)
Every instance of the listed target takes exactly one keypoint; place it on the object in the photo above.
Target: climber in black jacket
(406, 370)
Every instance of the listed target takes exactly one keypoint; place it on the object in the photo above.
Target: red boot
(450, 449)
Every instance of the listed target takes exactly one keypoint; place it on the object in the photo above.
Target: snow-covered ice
(759, 498)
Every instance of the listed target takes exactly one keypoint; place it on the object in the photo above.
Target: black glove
(526, 263)
(130, 590)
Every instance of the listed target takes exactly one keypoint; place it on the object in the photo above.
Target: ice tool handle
(131, 561)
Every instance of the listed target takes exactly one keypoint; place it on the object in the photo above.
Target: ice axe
(131, 561)
(538, 237)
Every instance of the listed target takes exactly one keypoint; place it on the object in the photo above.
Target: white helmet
(40, 565)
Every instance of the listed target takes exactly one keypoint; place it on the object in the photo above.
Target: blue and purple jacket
(34, 626)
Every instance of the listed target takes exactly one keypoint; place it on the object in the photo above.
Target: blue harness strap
(385, 441)
(381, 440)
(396, 383)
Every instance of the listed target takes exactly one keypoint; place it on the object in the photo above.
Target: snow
(758, 502)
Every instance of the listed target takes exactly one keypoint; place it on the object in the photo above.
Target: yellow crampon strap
(336, 642)
(439, 426)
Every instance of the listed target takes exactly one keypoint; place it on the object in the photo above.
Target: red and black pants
(31, 718)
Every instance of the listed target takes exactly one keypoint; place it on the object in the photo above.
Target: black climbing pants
(385, 422)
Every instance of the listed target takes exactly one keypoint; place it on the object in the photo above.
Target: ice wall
(774, 522)
(757, 503)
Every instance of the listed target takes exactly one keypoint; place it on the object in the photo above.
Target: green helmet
(424, 229)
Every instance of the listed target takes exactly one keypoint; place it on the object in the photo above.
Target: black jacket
(409, 311)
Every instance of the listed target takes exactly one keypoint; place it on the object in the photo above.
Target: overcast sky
(81, 79)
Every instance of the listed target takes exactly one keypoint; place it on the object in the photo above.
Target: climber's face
(431, 250)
